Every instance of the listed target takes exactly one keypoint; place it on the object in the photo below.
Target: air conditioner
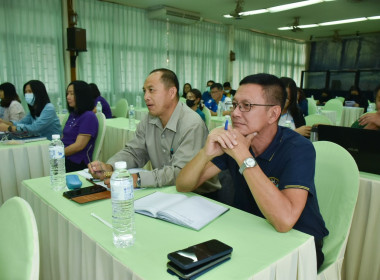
(173, 15)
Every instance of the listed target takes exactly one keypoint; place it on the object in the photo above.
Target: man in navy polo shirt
(272, 167)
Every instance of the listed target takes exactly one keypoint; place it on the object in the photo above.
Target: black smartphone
(198, 270)
(199, 254)
(84, 191)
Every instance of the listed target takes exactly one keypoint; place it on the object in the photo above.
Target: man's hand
(242, 145)
(304, 130)
(217, 140)
(100, 170)
(370, 120)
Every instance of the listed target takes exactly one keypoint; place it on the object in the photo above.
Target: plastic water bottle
(132, 117)
(370, 108)
(288, 124)
(99, 107)
(138, 101)
(123, 215)
(219, 112)
(314, 133)
(57, 163)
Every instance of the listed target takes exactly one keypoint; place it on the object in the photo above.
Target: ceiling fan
(238, 9)
(295, 26)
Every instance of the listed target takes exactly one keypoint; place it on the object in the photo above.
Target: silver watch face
(250, 162)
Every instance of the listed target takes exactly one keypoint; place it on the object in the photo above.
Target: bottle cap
(130, 107)
(55, 136)
(120, 165)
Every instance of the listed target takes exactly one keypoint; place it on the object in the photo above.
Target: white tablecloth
(20, 162)
(74, 245)
(350, 115)
(330, 114)
(362, 258)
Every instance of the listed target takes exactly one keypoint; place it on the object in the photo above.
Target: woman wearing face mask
(81, 129)
(42, 119)
(13, 110)
(193, 100)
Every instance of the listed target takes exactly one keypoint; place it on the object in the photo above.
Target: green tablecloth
(74, 245)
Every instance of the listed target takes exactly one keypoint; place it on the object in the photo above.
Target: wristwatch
(138, 183)
(247, 163)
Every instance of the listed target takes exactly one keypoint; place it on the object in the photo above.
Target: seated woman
(13, 110)
(81, 129)
(106, 109)
(354, 94)
(325, 96)
(302, 102)
(193, 100)
(370, 124)
(186, 88)
(291, 112)
(42, 119)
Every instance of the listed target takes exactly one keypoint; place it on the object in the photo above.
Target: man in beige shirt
(170, 136)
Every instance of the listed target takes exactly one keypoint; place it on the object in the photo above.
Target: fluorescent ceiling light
(342, 21)
(291, 6)
(253, 12)
(375, 17)
(280, 8)
(308, 25)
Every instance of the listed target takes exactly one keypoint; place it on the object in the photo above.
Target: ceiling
(213, 11)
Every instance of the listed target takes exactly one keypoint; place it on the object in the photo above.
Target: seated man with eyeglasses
(272, 166)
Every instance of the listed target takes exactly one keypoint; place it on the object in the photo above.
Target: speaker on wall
(76, 39)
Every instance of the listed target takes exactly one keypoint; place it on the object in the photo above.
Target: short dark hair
(94, 90)
(226, 84)
(168, 78)
(83, 98)
(274, 90)
(210, 81)
(10, 94)
(41, 97)
(216, 85)
(197, 93)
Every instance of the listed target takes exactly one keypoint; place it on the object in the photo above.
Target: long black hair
(293, 106)
(10, 94)
(41, 97)
(84, 100)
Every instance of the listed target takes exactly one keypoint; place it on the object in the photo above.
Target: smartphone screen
(198, 270)
(199, 254)
(84, 191)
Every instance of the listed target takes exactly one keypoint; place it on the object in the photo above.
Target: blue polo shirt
(212, 105)
(289, 162)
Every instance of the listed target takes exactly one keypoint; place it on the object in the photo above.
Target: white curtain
(257, 53)
(124, 46)
(31, 45)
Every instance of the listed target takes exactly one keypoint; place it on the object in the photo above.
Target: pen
(226, 125)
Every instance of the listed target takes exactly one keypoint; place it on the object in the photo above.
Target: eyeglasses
(246, 107)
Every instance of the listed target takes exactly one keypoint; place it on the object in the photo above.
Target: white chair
(311, 106)
(317, 119)
(100, 138)
(121, 109)
(19, 246)
(337, 186)
(207, 113)
(335, 105)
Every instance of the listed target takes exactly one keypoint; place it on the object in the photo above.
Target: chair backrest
(317, 119)
(207, 113)
(337, 185)
(183, 100)
(64, 119)
(121, 109)
(100, 138)
(19, 253)
(340, 98)
(335, 105)
(311, 106)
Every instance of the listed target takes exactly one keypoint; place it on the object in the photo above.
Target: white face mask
(29, 98)
(227, 91)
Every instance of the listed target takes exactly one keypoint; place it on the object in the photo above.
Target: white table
(20, 162)
(331, 115)
(74, 245)
(117, 135)
(350, 115)
(362, 258)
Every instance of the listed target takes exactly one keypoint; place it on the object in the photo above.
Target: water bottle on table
(57, 163)
(99, 107)
(132, 117)
(123, 215)
(220, 110)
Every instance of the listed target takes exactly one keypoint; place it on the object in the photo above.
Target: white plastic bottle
(288, 124)
(220, 110)
(370, 108)
(123, 215)
(99, 107)
(57, 163)
(131, 117)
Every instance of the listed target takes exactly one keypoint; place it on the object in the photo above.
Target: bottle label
(57, 152)
(121, 190)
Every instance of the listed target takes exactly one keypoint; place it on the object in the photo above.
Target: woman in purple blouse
(106, 109)
(81, 129)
